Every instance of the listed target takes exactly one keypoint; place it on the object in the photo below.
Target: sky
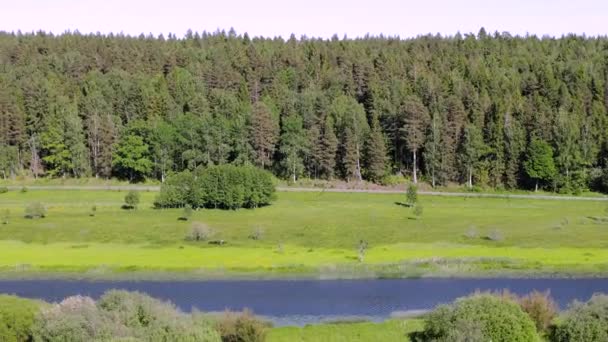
(313, 18)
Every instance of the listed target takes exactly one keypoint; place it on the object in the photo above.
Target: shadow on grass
(407, 205)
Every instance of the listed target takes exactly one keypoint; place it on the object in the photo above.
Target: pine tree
(375, 153)
(416, 121)
(263, 134)
(293, 146)
(539, 164)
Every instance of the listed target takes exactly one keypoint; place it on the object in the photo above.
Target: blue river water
(300, 302)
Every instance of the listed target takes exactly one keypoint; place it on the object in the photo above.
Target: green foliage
(131, 200)
(539, 164)
(584, 322)
(17, 318)
(411, 196)
(418, 210)
(35, 210)
(120, 315)
(6, 216)
(223, 186)
(199, 232)
(186, 213)
(541, 308)
(242, 327)
(480, 318)
(3, 189)
(131, 158)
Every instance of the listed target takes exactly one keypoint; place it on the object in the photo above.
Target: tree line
(479, 109)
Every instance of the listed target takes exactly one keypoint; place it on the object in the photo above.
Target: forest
(486, 109)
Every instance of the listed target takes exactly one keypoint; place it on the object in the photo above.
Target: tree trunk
(536, 186)
(470, 183)
(359, 177)
(415, 176)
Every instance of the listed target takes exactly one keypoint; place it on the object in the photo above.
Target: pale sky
(313, 18)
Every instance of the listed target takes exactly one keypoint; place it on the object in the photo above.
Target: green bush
(131, 200)
(76, 319)
(242, 327)
(541, 308)
(150, 319)
(3, 189)
(584, 322)
(411, 197)
(35, 210)
(120, 316)
(223, 186)
(17, 318)
(481, 317)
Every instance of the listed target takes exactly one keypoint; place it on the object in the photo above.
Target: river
(300, 302)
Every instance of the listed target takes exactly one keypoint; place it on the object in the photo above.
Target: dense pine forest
(479, 109)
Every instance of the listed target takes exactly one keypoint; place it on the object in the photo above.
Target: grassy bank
(307, 234)
(393, 330)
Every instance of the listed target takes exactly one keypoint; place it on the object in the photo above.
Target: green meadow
(305, 234)
(391, 330)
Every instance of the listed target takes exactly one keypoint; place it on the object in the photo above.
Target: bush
(120, 315)
(17, 318)
(481, 317)
(223, 186)
(541, 308)
(418, 210)
(584, 322)
(35, 210)
(23, 190)
(242, 327)
(200, 232)
(75, 319)
(495, 235)
(3, 189)
(411, 197)
(131, 200)
(186, 213)
(6, 216)
(150, 319)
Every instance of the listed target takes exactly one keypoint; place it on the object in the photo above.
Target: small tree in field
(186, 213)
(412, 195)
(362, 249)
(131, 200)
(200, 232)
(418, 210)
(35, 210)
(6, 215)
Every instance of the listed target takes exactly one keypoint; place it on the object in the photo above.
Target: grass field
(392, 330)
(307, 233)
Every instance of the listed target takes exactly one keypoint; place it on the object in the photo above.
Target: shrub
(150, 319)
(242, 327)
(23, 190)
(3, 189)
(584, 322)
(17, 318)
(35, 210)
(6, 216)
(200, 232)
(481, 317)
(472, 233)
(131, 200)
(418, 210)
(75, 319)
(495, 235)
(411, 197)
(186, 213)
(223, 186)
(257, 234)
(541, 308)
